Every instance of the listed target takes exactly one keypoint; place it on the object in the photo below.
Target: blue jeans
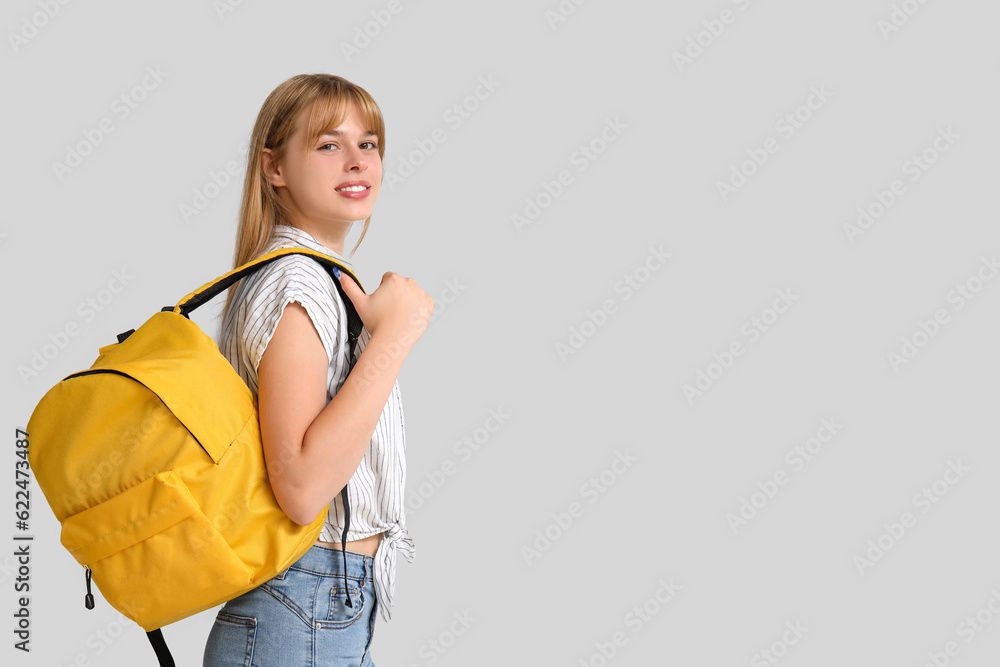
(299, 618)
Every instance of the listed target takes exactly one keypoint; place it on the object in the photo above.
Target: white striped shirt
(375, 491)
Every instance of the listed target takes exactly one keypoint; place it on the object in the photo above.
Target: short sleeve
(306, 282)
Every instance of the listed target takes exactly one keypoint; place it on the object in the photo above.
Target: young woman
(314, 169)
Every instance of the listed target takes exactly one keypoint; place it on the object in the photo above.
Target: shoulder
(263, 296)
(292, 277)
(296, 267)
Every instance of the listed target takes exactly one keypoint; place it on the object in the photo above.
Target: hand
(397, 308)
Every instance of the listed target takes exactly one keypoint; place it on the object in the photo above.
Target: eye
(370, 144)
(325, 145)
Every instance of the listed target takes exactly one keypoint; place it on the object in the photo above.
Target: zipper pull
(88, 600)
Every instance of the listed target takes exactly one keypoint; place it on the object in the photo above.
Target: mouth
(354, 186)
(354, 189)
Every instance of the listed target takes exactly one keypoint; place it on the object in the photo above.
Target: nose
(356, 160)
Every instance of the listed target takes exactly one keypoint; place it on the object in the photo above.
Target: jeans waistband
(324, 560)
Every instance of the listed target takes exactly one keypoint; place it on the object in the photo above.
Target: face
(330, 182)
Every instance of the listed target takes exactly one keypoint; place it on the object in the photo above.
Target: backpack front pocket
(151, 534)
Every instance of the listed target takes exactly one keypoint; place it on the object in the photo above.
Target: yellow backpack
(152, 462)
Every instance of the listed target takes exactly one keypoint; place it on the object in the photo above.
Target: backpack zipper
(88, 600)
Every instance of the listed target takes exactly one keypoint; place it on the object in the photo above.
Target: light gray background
(494, 346)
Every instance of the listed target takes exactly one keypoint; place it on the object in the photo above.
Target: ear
(271, 169)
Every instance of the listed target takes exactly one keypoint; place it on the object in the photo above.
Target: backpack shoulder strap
(160, 648)
(211, 289)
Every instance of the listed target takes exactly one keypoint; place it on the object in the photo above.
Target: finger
(351, 288)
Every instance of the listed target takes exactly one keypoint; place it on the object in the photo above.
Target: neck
(330, 234)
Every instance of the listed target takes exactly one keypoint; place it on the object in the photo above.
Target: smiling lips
(354, 189)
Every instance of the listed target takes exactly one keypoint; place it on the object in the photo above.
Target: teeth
(353, 188)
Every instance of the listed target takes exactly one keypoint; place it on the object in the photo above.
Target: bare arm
(312, 447)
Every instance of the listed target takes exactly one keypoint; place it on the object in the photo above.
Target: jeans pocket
(230, 642)
(339, 614)
(290, 589)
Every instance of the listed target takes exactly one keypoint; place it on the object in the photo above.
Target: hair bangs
(330, 109)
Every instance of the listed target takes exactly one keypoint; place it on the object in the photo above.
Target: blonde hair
(328, 97)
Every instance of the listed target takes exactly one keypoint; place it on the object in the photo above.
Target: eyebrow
(338, 133)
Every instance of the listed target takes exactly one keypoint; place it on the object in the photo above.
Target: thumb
(351, 288)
